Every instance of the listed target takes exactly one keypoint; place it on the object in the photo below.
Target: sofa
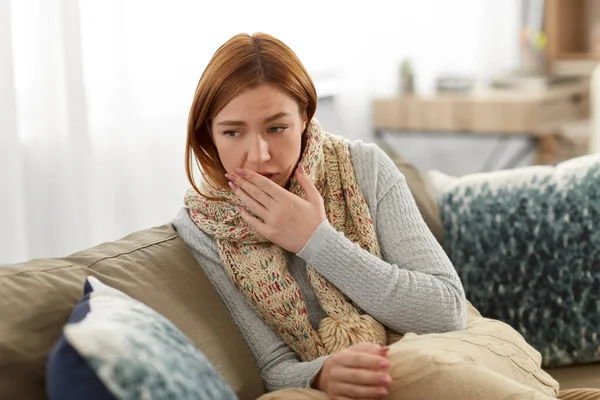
(155, 267)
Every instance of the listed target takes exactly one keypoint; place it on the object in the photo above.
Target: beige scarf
(258, 267)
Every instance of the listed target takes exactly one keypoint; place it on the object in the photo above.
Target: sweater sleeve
(279, 366)
(415, 287)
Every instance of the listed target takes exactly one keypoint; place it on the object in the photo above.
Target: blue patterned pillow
(526, 244)
(115, 347)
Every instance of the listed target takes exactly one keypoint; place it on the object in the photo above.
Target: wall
(474, 37)
(98, 102)
(353, 51)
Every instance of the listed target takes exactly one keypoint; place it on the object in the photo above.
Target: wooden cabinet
(538, 115)
(484, 111)
(573, 30)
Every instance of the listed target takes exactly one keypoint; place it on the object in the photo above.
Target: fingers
(264, 184)
(253, 205)
(369, 348)
(251, 190)
(359, 372)
(312, 194)
(357, 391)
(361, 376)
(365, 355)
(254, 223)
(349, 398)
(363, 364)
(356, 359)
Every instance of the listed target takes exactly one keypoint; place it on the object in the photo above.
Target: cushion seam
(173, 236)
(37, 271)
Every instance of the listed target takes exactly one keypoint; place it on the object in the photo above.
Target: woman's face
(260, 130)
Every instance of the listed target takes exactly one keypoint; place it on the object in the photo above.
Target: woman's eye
(231, 133)
(277, 129)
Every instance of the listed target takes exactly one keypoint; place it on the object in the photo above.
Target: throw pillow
(526, 244)
(114, 347)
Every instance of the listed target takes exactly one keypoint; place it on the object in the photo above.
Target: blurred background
(94, 96)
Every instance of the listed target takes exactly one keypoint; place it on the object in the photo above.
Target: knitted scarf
(258, 268)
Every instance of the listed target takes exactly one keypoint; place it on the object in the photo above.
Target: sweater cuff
(319, 363)
(315, 244)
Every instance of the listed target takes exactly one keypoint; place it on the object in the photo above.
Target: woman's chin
(285, 183)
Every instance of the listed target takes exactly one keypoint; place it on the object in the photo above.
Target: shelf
(578, 56)
(573, 30)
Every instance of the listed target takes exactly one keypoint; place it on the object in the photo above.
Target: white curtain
(94, 99)
(94, 95)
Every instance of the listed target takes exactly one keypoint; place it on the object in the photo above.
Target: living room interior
(80, 132)
(490, 109)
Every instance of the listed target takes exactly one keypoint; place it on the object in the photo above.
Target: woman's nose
(259, 151)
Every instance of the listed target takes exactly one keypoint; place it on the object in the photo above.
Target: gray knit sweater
(414, 288)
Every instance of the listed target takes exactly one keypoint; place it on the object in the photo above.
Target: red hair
(243, 62)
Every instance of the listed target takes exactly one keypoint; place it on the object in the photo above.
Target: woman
(314, 243)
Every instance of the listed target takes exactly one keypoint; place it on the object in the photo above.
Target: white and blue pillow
(116, 348)
(526, 244)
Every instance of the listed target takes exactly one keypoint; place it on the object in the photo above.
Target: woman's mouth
(270, 176)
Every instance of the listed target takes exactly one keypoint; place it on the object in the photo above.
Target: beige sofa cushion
(153, 266)
(422, 191)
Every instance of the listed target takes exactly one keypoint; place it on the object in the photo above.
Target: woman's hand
(287, 220)
(358, 372)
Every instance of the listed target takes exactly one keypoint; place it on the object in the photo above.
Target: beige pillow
(153, 266)
(422, 191)
(488, 360)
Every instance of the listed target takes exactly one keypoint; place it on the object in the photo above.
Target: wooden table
(536, 114)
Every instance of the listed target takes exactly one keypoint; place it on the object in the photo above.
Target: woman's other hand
(287, 220)
(359, 372)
